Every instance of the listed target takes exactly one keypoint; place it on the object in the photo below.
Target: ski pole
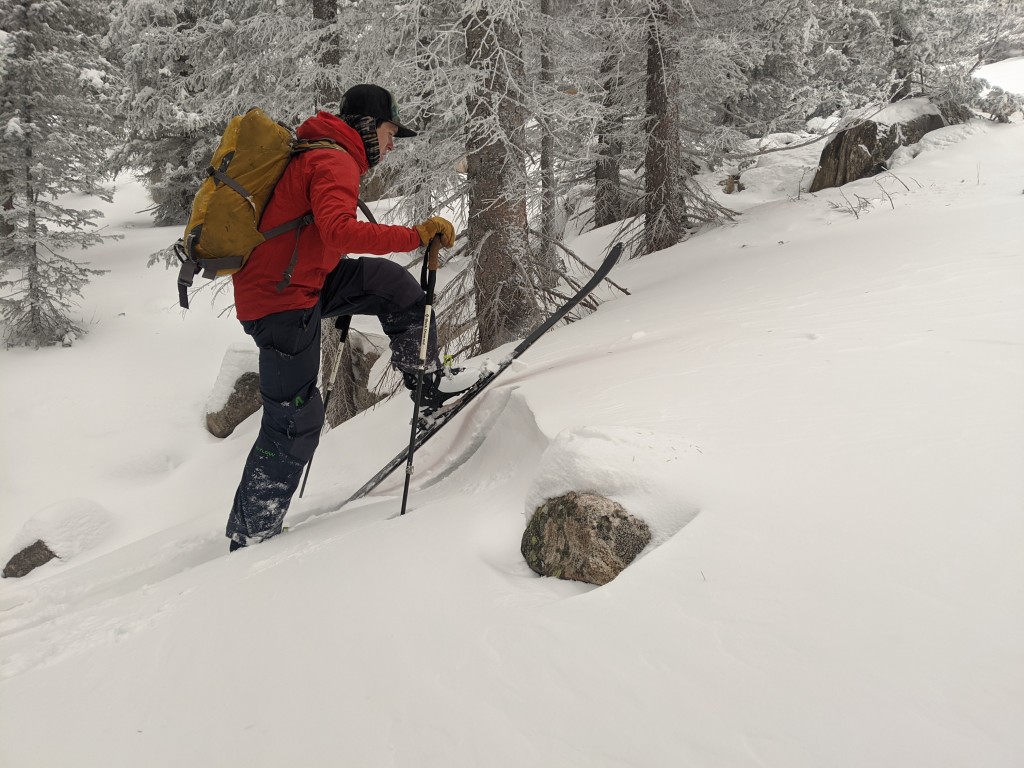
(342, 324)
(428, 276)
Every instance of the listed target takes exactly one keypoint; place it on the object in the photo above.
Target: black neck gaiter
(366, 127)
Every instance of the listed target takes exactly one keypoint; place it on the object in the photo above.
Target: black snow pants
(289, 362)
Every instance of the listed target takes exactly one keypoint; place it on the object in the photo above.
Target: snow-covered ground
(819, 409)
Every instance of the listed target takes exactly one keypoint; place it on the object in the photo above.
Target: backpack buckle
(186, 274)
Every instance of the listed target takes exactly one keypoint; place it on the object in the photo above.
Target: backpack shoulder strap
(299, 146)
(304, 145)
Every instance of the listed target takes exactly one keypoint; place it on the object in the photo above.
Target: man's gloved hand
(435, 225)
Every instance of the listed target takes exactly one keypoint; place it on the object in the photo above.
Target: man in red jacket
(289, 284)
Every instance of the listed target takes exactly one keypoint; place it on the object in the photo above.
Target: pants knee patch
(391, 281)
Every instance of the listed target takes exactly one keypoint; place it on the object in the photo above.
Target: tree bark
(35, 327)
(498, 227)
(902, 86)
(608, 206)
(664, 203)
(328, 89)
(6, 228)
(551, 224)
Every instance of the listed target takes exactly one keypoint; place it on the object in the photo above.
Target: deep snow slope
(819, 408)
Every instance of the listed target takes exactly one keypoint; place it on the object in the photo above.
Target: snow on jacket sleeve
(333, 195)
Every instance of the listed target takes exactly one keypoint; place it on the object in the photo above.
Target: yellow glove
(435, 225)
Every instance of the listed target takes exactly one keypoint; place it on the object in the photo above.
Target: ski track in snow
(103, 600)
(505, 417)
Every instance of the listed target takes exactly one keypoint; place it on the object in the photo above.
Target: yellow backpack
(224, 226)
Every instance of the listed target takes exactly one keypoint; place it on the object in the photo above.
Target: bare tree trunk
(608, 206)
(328, 89)
(498, 227)
(552, 225)
(33, 280)
(6, 228)
(902, 86)
(664, 203)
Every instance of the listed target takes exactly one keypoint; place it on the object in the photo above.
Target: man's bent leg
(373, 286)
(293, 414)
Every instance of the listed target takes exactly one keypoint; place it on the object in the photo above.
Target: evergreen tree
(170, 135)
(467, 75)
(849, 51)
(679, 85)
(906, 48)
(54, 100)
(192, 64)
(495, 146)
(938, 45)
(664, 202)
(528, 107)
(612, 136)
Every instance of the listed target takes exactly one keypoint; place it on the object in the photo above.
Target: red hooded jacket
(326, 182)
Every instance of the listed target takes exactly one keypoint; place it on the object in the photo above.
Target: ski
(442, 417)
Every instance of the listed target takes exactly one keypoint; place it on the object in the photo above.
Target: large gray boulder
(583, 537)
(865, 148)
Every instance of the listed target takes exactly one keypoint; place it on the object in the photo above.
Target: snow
(826, 419)
(648, 473)
(14, 129)
(775, 175)
(92, 77)
(69, 527)
(1007, 74)
(937, 139)
(904, 111)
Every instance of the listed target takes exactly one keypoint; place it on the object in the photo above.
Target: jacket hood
(325, 125)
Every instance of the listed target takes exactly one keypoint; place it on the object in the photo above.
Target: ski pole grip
(433, 251)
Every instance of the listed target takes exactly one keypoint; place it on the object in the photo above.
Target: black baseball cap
(376, 102)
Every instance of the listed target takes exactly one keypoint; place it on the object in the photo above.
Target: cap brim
(403, 132)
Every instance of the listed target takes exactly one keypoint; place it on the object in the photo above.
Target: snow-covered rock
(64, 529)
(644, 471)
(236, 393)
(865, 148)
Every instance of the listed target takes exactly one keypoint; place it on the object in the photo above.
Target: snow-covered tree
(611, 137)
(528, 107)
(55, 98)
(495, 147)
(169, 133)
(849, 51)
(681, 87)
(664, 203)
(468, 75)
(929, 47)
(192, 64)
